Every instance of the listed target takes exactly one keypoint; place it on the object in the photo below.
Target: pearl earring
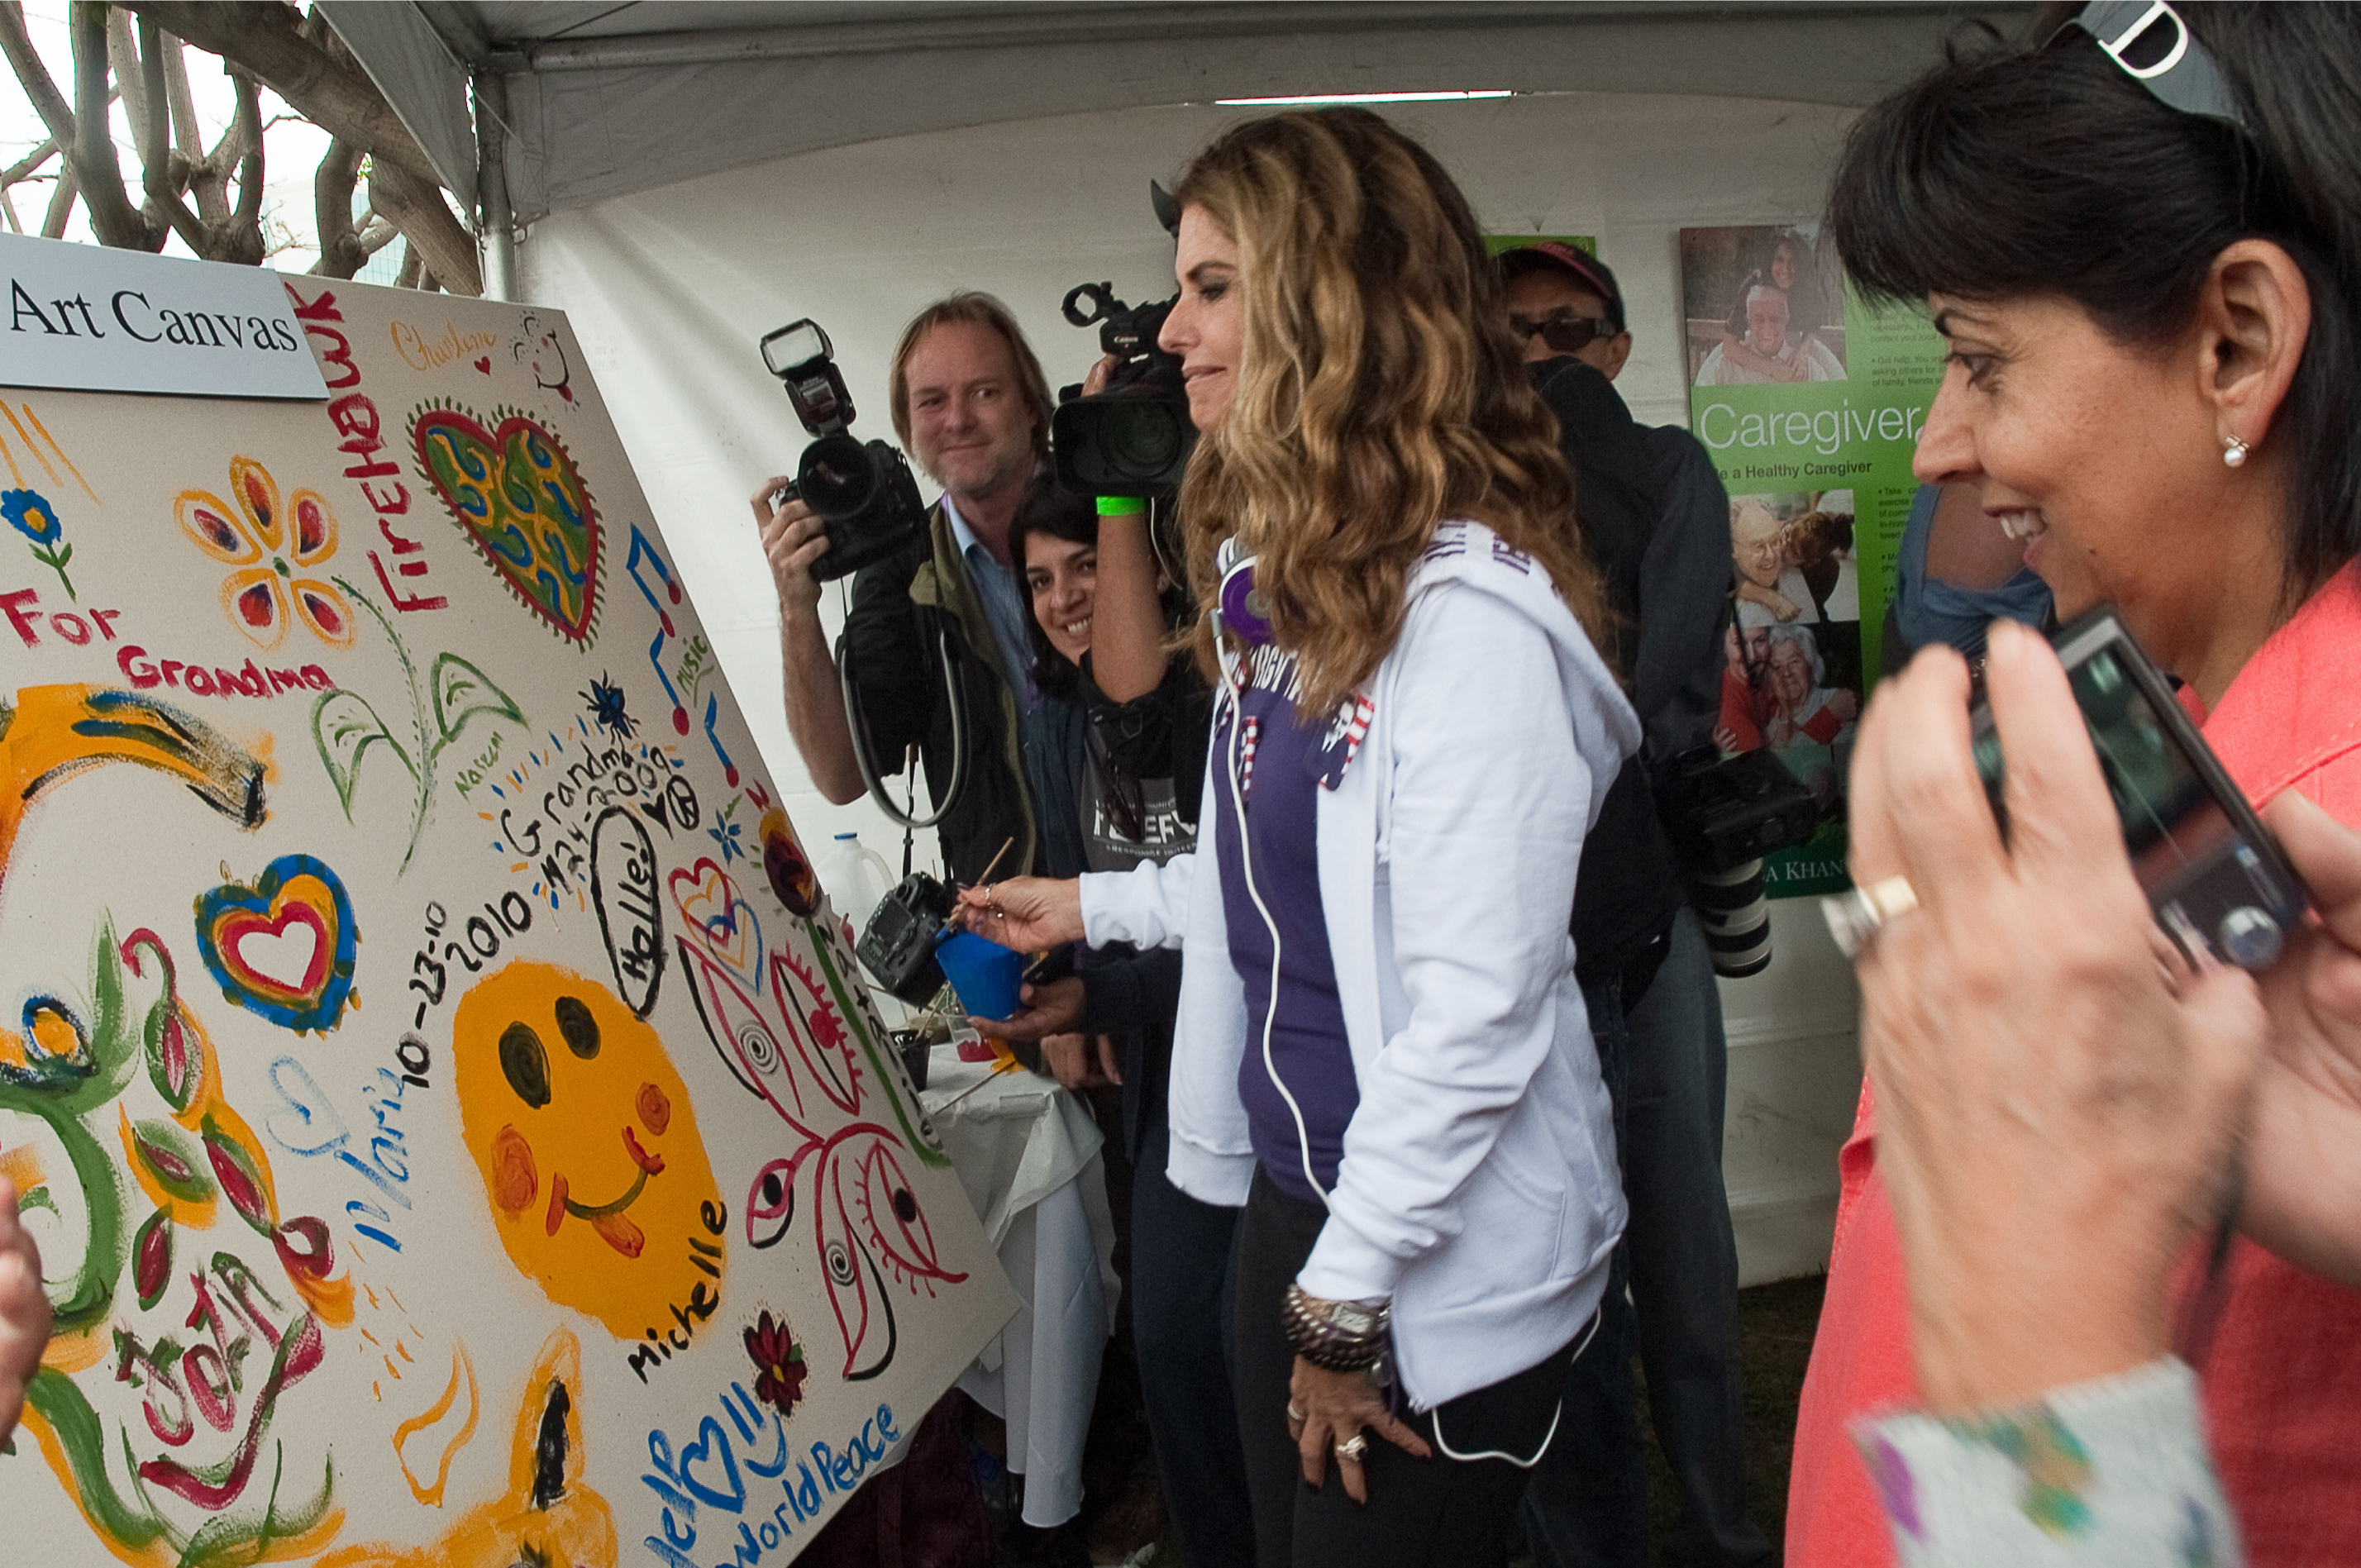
(2233, 451)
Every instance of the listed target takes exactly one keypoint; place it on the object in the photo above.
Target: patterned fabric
(2111, 1472)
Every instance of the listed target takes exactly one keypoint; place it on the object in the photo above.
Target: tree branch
(130, 80)
(185, 134)
(34, 76)
(249, 163)
(61, 201)
(266, 39)
(331, 210)
(113, 218)
(416, 208)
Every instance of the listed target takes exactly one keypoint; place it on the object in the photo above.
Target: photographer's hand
(2303, 1172)
(1026, 912)
(793, 539)
(2054, 1107)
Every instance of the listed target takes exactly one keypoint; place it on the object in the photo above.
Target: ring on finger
(1856, 916)
(1353, 1447)
(1294, 1414)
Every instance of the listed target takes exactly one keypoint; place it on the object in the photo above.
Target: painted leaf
(176, 1058)
(461, 691)
(151, 1258)
(344, 726)
(242, 1181)
(177, 1166)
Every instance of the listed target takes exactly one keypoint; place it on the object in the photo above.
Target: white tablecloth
(1028, 1153)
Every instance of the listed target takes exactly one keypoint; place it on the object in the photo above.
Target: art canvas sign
(452, 1121)
(123, 321)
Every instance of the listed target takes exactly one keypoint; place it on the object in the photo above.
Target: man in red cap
(1655, 519)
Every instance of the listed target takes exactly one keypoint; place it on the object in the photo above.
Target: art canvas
(451, 1115)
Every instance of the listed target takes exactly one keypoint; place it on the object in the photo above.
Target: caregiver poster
(1810, 404)
(453, 1127)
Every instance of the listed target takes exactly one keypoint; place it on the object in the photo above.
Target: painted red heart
(261, 946)
(484, 363)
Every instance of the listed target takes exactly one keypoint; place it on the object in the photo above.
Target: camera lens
(837, 478)
(1142, 439)
(1735, 909)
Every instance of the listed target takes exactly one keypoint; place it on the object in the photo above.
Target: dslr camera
(863, 492)
(1723, 814)
(1133, 438)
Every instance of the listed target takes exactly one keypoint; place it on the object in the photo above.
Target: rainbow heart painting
(515, 491)
(282, 948)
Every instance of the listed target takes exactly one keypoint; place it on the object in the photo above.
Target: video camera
(1133, 438)
(865, 493)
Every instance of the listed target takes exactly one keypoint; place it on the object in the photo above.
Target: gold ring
(1855, 918)
(1353, 1447)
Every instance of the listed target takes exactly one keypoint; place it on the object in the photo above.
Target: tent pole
(496, 223)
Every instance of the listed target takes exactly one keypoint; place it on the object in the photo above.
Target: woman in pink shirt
(2140, 237)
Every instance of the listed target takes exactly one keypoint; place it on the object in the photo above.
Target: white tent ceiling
(606, 98)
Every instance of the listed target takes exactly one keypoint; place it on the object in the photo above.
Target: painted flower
(728, 834)
(30, 514)
(267, 543)
(778, 1364)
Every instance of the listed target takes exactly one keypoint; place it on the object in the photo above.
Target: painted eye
(579, 1030)
(771, 1203)
(525, 1064)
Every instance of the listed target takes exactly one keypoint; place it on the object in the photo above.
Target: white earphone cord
(1434, 1416)
(1246, 867)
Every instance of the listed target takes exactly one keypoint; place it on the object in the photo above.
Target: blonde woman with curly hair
(1383, 1054)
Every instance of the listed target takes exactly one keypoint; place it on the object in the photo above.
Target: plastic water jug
(856, 878)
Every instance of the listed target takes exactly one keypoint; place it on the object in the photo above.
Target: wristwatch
(1338, 1336)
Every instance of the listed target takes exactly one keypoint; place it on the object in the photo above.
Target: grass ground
(1775, 1323)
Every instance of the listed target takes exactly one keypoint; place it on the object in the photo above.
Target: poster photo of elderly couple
(1765, 328)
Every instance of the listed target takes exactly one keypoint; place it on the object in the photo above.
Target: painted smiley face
(583, 1134)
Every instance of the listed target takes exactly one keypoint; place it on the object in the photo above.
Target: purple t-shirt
(1273, 765)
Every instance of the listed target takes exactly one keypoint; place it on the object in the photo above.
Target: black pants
(1420, 1511)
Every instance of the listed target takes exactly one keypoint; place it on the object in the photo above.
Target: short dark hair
(2043, 168)
(1048, 508)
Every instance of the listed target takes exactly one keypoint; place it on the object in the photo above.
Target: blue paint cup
(986, 975)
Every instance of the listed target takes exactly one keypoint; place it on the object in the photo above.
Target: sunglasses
(1566, 334)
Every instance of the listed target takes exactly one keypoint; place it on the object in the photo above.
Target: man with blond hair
(933, 647)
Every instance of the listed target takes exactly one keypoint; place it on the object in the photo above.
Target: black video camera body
(1133, 438)
(865, 494)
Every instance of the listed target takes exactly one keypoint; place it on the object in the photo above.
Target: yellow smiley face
(592, 1166)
